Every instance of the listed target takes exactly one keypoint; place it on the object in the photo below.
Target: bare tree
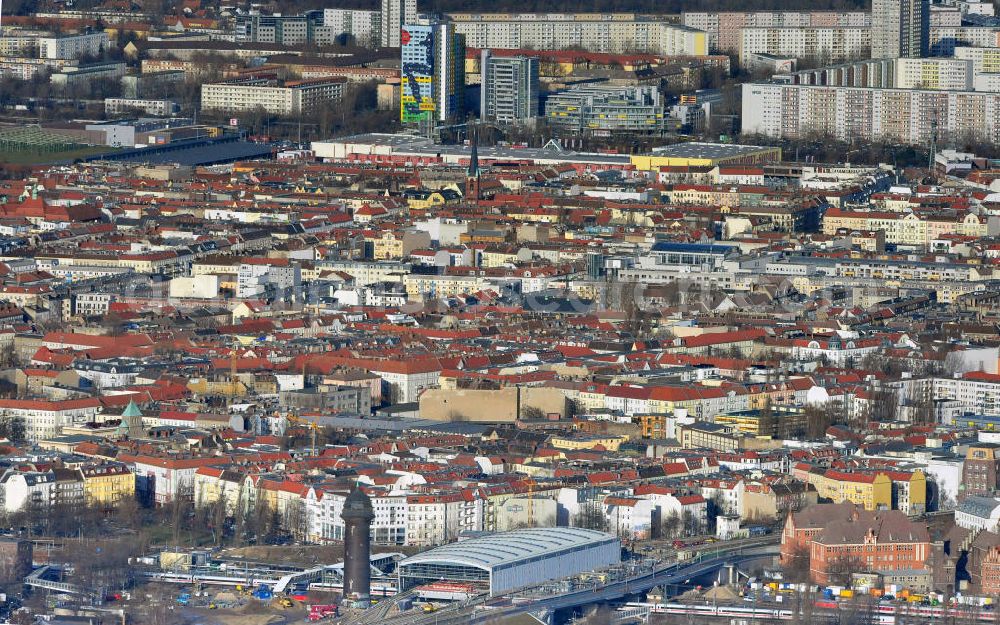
(883, 404)
(796, 567)
(103, 565)
(591, 516)
(766, 422)
(294, 519)
(818, 419)
(13, 429)
(690, 524)
(840, 569)
(923, 410)
(715, 507)
(532, 413)
(671, 525)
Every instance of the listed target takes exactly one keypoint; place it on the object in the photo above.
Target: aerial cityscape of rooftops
(457, 312)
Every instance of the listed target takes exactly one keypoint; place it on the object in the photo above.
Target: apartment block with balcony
(603, 110)
(300, 97)
(824, 44)
(724, 29)
(595, 32)
(868, 114)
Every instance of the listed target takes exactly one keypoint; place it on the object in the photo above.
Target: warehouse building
(509, 560)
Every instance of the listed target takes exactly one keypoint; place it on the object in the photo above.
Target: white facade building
(438, 519)
(364, 27)
(254, 279)
(631, 518)
(26, 489)
(944, 40)
(867, 114)
(92, 303)
(289, 98)
(826, 44)
(978, 513)
(72, 46)
(323, 510)
(615, 33)
(394, 15)
(405, 381)
(45, 419)
(976, 393)
(900, 28)
(119, 106)
(108, 373)
(943, 74)
(725, 28)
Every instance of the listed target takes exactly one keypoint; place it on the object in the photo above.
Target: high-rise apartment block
(869, 113)
(616, 33)
(900, 28)
(72, 46)
(725, 29)
(959, 73)
(945, 40)
(433, 72)
(942, 74)
(984, 60)
(825, 45)
(509, 90)
(363, 27)
(396, 14)
(286, 30)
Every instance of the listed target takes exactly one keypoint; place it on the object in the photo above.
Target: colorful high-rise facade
(433, 66)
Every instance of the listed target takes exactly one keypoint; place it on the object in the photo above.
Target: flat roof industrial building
(410, 146)
(383, 148)
(508, 560)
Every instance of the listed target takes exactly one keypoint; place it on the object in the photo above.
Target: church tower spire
(472, 175)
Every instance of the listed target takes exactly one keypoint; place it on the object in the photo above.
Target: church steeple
(474, 159)
(131, 421)
(472, 176)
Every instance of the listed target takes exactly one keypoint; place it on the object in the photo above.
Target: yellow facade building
(705, 155)
(904, 228)
(107, 484)
(608, 442)
(872, 491)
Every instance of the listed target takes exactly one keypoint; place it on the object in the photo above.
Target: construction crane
(234, 356)
(307, 423)
(531, 503)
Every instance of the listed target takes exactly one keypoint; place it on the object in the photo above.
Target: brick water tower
(358, 515)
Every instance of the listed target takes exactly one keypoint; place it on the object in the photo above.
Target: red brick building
(989, 573)
(15, 560)
(843, 534)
